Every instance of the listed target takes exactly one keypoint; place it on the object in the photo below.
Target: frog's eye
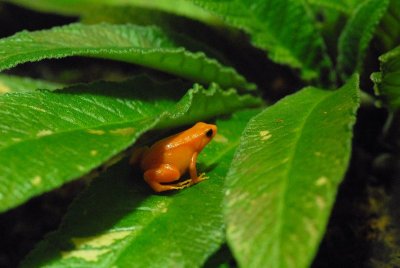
(209, 133)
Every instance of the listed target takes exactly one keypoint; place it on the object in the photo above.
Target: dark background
(363, 230)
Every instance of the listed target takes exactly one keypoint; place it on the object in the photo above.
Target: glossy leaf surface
(143, 45)
(120, 222)
(49, 138)
(79, 7)
(285, 174)
(10, 84)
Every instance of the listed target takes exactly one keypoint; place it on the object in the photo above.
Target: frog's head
(206, 132)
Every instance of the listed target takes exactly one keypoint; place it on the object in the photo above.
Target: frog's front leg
(193, 171)
(164, 174)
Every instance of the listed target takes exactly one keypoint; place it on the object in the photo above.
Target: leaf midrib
(288, 176)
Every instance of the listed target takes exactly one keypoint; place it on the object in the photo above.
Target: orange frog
(168, 159)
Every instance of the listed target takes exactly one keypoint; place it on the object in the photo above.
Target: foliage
(357, 35)
(283, 28)
(139, 226)
(84, 126)
(274, 168)
(309, 127)
(148, 46)
(388, 36)
(9, 83)
(387, 81)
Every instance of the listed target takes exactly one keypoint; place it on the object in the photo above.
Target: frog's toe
(183, 184)
(203, 176)
(200, 178)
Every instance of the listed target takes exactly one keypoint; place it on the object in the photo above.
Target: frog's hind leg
(164, 174)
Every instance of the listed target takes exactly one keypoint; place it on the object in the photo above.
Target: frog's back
(175, 150)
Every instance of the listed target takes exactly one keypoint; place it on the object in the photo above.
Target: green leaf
(10, 84)
(283, 28)
(357, 35)
(387, 81)
(80, 7)
(192, 35)
(285, 174)
(119, 222)
(388, 31)
(144, 45)
(338, 5)
(49, 138)
(345, 6)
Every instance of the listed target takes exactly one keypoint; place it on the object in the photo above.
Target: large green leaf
(118, 222)
(79, 7)
(192, 35)
(387, 81)
(144, 45)
(283, 28)
(285, 174)
(10, 83)
(49, 138)
(357, 35)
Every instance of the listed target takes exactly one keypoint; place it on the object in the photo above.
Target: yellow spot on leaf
(321, 181)
(102, 240)
(93, 152)
(44, 132)
(320, 202)
(4, 89)
(310, 227)
(123, 131)
(80, 168)
(36, 180)
(96, 131)
(265, 135)
(16, 139)
(318, 154)
(220, 138)
(86, 255)
(164, 210)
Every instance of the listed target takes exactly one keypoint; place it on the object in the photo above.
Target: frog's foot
(175, 186)
(183, 184)
(158, 187)
(200, 178)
